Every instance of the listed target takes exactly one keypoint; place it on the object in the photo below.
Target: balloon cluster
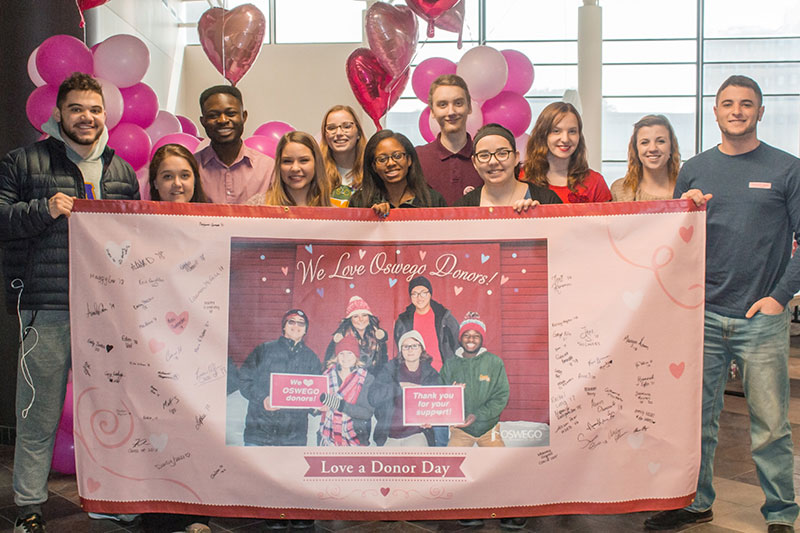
(379, 74)
(497, 83)
(135, 124)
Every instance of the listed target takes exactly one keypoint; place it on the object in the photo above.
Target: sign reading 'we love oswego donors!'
(191, 389)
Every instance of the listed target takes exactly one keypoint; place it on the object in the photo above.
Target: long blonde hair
(536, 164)
(357, 172)
(634, 175)
(319, 193)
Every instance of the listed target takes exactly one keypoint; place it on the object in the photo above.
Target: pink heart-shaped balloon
(232, 39)
(374, 88)
(83, 5)
(392, 34)
(430, 10)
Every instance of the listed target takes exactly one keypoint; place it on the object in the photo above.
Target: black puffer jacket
(35, 246)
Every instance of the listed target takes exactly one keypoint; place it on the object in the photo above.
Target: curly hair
(319, 193)
(536, 164)
(357, 172)
(78, 81)
(633, 177)
(370, 343)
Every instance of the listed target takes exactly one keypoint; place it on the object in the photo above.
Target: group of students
(386, 171)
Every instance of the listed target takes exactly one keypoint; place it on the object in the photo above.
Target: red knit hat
(472, 321)
(357, 305)
(348, 344)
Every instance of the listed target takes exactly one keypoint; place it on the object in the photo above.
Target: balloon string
(83, 21)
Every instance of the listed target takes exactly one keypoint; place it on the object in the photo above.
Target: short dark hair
(79, 81)
(220, 89)
(737, 80)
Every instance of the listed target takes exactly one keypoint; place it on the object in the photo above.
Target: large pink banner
(591, 380)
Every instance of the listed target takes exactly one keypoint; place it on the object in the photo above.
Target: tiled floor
(736, 509)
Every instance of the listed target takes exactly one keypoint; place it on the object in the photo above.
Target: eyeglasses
(484, 156)
(346, 126)
(411, 347)
(420, 294)
(293, 322)
(383, 158)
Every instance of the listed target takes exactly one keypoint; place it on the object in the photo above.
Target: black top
(543, 194)
(358, 200)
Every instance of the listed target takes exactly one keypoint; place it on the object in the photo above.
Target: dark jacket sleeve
(254, 375)
(19, 219)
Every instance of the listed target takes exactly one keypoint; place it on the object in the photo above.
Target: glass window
(649, 19)
(746, 18)
(404, 117)
(650, 51)
(552, 80)
(445, 50)
(773, 78)
(523, 20)
(635, 80)
(752, 50)
(470, 29)
(543, 53)
(613, 170)
(620, 114)
(319, 21)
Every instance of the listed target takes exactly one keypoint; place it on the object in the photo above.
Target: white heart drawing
(308, 382)
(159, 442)
(632, 299)
(117, 253)
(653, 467)
(635, 440)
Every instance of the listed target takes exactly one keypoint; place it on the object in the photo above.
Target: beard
(74, 137)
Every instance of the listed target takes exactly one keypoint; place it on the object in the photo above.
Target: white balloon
(485, 70)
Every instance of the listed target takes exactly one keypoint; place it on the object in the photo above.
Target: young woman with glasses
(342, 150)
(496, 159)
(393, 176)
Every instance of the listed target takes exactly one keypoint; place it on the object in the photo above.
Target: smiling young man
(38, 185)
(232, 173)
(752, 191)
(446, 162)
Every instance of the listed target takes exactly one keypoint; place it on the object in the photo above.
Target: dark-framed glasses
(501, 154)
(346, 127)
(383, 158)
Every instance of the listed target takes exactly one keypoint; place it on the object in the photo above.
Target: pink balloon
(61, 55)
(510, 110)
(143, 177)
(131, 143)
(33, 74)
(475, 119)
(265, 145)
(425, 125)
(372, 85)
(236, 35)
(122, 59)
(271, 131)
(113, 102)
(164, 124)
(430, 10)
(190, 142)
(392, 34)
(140, 105)
(522, 146)
(64, 452)
(427, 71)
(40, 104)
(187, 126)
(520, 72)
(485, 71)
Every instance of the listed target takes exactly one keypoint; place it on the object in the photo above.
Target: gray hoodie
(92, 166)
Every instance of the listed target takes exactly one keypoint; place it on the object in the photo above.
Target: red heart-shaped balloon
(451, 20)
(232, 38)
(374, 88)
(430, 10)
(83, 5)
(392, 34)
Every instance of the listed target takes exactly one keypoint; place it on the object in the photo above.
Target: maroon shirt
(447, 172)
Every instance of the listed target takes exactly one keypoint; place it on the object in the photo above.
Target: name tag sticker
(760, 185)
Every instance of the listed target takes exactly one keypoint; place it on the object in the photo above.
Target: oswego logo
(516, 434)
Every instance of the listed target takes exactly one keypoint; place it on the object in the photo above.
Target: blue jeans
(760, 347)
(48, 363)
